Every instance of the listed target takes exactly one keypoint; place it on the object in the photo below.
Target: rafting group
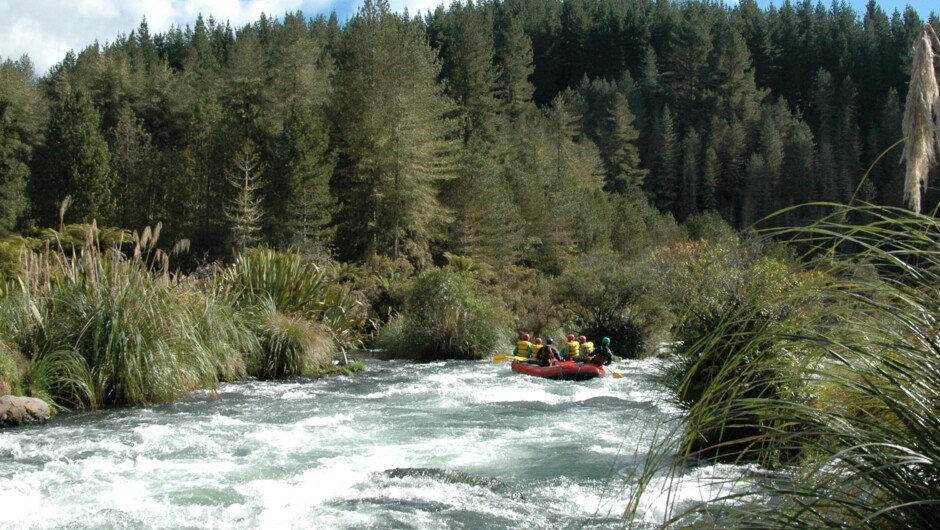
(580, 350)
(579, 360)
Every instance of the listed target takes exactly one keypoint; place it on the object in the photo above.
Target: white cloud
(47, 29)
(415, 7)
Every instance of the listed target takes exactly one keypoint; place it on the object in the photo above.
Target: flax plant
(300, 316)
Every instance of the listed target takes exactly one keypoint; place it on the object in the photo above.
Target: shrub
(527, 294)
(446, 315)
(299, 314)
(725, 295)
(607, 296)
(855, 381)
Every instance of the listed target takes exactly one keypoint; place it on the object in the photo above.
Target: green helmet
(606, 341)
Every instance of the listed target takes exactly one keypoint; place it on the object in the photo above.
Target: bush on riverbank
(608, 296)
(446, 315)
(94, 327)
(99, 329)
(299, 315)
(856, 408)
(725, 294)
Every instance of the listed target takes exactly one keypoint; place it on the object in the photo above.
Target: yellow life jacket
(574, 349)
(586, 349)
(522, 348)
(535, 350)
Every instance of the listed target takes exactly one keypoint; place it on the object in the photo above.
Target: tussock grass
(842, 395)
(291, 344)
(93, 327)
(99, 329)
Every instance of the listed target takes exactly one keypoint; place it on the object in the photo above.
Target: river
(402, 445)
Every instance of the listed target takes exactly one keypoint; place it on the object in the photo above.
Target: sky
(46, 30)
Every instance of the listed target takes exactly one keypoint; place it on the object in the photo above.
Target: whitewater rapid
(402, 445)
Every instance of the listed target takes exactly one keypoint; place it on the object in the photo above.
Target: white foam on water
(315, 454)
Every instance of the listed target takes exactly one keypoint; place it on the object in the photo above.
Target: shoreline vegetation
(428, 188)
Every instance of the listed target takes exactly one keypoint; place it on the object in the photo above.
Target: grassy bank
(92, 327)
(839, 391)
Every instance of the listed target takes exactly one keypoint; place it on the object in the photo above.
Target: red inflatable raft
(568, 370)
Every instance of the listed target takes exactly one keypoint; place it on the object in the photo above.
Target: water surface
(441, 445)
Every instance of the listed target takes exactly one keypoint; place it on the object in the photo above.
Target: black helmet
(550, 341)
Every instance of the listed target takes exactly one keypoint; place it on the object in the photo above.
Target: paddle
(501, 358)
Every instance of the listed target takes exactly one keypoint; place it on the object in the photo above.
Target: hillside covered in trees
(514, 132)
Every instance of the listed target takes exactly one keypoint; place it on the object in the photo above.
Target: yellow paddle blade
(501, 358)
(616, 375)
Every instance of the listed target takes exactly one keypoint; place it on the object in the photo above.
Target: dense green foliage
(503, 131)
(86, 325)
(297, 312)
(580, 165)
(446, 315)
(833, 376)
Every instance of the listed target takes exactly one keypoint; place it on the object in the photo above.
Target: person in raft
(548, 355)
(586, 348)
(572, 349)
(523, 347)
(602, 354)
(534, 350)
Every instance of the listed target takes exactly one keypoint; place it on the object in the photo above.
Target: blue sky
(47, 29)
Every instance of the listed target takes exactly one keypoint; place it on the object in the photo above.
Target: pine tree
(664, 179)
(397, 145)
(246, 87)
(467, 53)
(689, 186)
(563, 128)
(131, 162)
(301, 70)
(689, 51)
(487, 225)
(711, 167)
(301, 174)
(516, 65)
(21, 116)
(244, 213)
(205, 158)
(75, 162)
(732, 82)
(622, 153)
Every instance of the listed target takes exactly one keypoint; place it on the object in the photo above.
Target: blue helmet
(606, 341)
